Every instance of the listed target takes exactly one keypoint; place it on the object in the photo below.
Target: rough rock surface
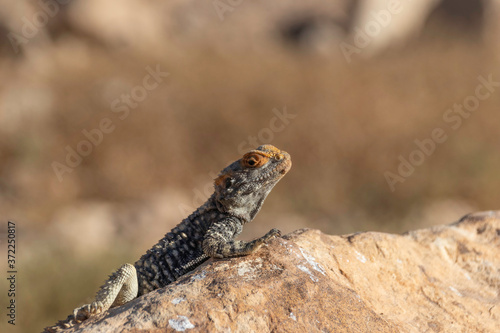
(441, 279)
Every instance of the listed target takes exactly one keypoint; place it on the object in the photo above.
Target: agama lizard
(240, 191)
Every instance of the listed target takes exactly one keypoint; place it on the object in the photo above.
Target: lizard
(209, 232)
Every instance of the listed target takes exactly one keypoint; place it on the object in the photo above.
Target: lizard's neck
(244, 213)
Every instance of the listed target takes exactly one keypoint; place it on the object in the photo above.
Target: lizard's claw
(84, 312)
(96, 307)
(272, 234)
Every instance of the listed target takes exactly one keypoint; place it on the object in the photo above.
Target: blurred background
(115, 116)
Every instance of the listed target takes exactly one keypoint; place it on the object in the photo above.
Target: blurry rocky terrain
(115, 116)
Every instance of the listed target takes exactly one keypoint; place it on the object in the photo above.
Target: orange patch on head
(271, 149)
(271, 152)
(221, 180)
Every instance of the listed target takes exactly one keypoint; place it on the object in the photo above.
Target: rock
(440, 279)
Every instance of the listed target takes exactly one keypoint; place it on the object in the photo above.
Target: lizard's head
(240, 189)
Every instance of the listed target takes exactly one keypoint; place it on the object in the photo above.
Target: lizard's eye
(253, 160)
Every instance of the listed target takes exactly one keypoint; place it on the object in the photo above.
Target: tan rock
(441, 279)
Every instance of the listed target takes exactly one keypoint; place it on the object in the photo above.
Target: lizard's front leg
(219, 242)
(120, 288)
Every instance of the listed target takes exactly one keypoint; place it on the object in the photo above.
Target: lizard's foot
(256, 244)
(218, 242)
(84, 312)
(271, 234)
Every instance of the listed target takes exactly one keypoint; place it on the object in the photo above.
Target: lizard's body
(240, 190)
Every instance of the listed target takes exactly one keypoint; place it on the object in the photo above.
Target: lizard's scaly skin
(240, 190)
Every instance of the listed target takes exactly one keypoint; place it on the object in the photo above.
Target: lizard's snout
(285, 161)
